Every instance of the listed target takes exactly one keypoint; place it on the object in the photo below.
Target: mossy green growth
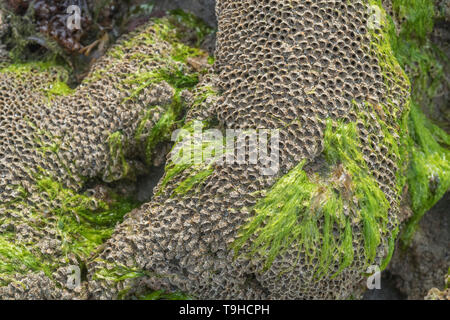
(58, 88)
(428, 146)
(287, 215)
(182, 52)
(391, 247)
(178, 75)
(305, 210)
(197, 156)
(161, 131)
(16, 258)
(173, 70)
(187, 22)
(342, 146)
(414, 50)
(175, 75)
(163, 295)
(417, 16)
(194, 180)
(117, 273)
(447, 281)
(26, 67)
(204, 92)
(429, 171)
(25, 70)
(174, 28)
(83, 222)
(116, 151)
(381, 47)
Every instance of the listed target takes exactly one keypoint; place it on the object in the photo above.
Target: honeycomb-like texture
(50, 144)
(4, 58)
(3, 24)
(287, 65)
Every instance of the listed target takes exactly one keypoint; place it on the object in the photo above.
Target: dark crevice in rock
(415, 270)
(146, 183)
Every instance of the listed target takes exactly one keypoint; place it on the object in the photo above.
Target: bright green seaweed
(428, 145)
(289, 211)
(81, 222)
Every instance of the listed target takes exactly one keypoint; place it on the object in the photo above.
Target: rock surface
(424, 263)
(54, 139)
(213, 231)
(274, 75)
(204, 9)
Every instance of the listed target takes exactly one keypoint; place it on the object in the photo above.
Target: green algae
(424, 150)
(186, 22)
(391, 248)
(195, 156)
(175, 72)
(417, 17)
(58, 88)
(414, 50)
(205, 92)
(194, 180)
(24, 70)
(176, 27)
(173, 29)
(429, 171)
(305, 210)
(163, 128)
(116, 145)
(182, 52)
(81, 222)
(176, 76)
(381, 47)
(117, 273)
(26, 67)
(174, 168)
(341, 146)
(16, 258)
(161, 131)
